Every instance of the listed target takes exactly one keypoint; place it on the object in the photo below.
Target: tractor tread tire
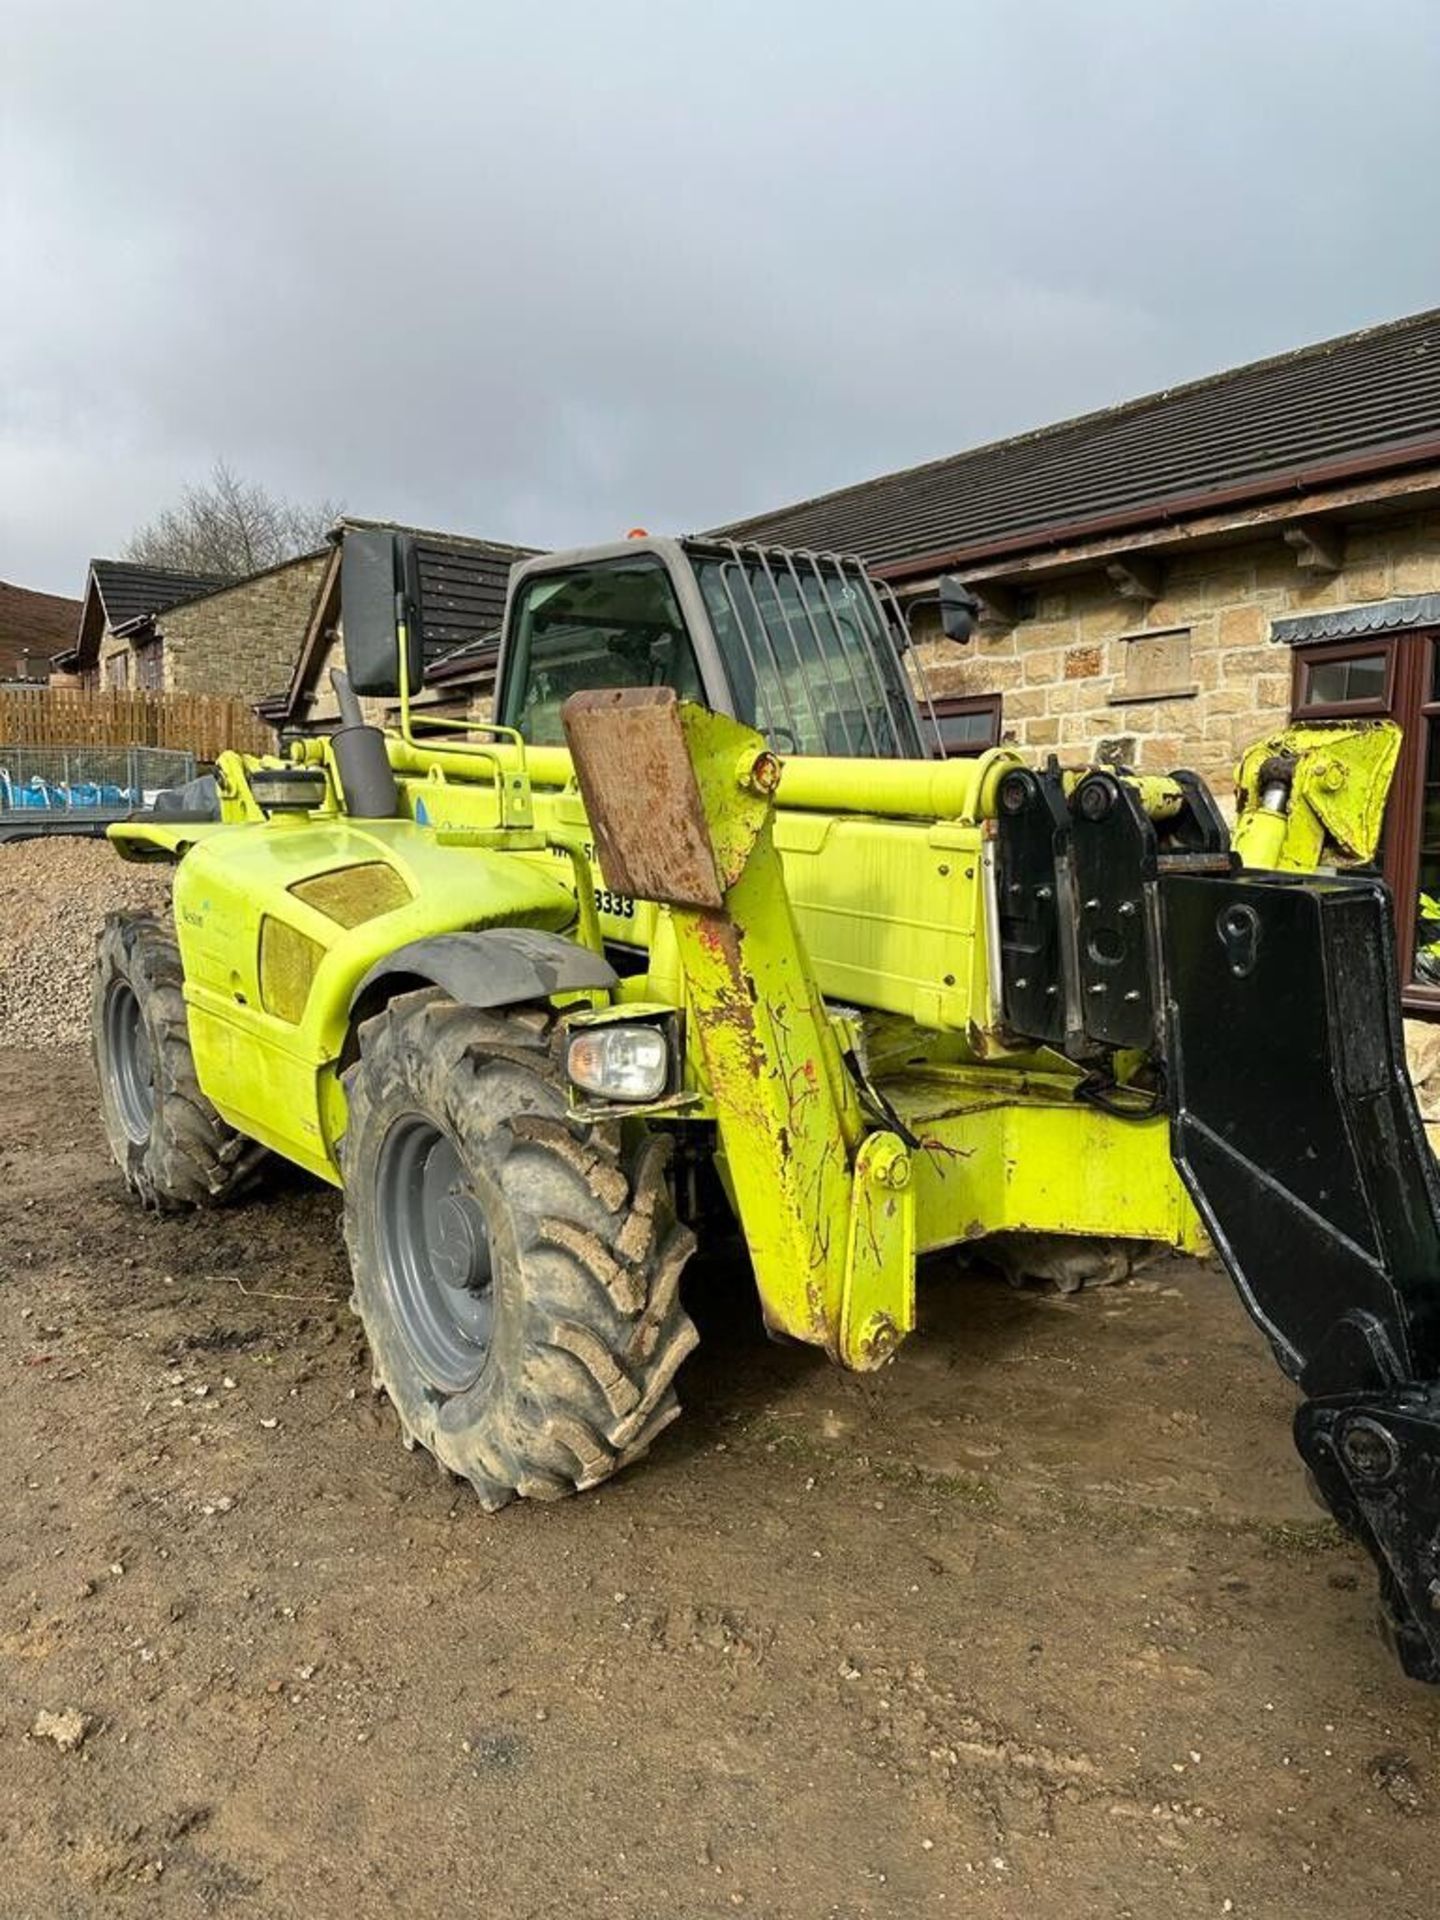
(190, 1157)
(588, 1330)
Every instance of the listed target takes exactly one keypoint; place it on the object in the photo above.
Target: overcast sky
(546, 270)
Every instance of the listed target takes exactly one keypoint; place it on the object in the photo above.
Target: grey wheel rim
(132, 1064)
(434, 1253)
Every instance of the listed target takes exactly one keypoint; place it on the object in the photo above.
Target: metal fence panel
(75, 778)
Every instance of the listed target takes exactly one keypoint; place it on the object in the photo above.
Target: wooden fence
(202, 723)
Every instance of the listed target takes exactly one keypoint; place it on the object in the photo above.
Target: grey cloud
(543, 272)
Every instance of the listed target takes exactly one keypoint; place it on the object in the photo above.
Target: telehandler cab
(697, 902)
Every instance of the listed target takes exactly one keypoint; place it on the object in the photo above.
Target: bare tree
(228, 527)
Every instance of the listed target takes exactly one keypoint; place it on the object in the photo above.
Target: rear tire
(172, 1146)
(517, 1272)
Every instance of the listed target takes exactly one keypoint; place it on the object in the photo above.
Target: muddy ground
(1037, 1622)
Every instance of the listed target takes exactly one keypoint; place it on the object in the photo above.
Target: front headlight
(619, 1062)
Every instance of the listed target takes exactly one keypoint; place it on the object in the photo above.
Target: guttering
(1274, 486)
(132, 628)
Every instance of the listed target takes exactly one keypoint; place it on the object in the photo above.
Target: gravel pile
(54, 895)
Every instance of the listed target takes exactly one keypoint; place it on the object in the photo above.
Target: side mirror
(959, 609)
(380, 599)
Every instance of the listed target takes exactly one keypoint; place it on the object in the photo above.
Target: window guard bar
(870, 597)
(890, 599)
(764, 625)
(834, 559)
(864, 698)
(877, 614)
(822, 657)
(761, 692)
(821, 654)
(881, 598)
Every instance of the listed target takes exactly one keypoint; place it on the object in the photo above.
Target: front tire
(516, 1271)
(172, 1146)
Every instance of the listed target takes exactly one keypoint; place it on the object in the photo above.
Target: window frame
(882, 684)
(509, 675)
(1343, 651)
(1412, 701)
(949, 706)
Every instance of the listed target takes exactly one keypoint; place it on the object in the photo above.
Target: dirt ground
(1039, 1621)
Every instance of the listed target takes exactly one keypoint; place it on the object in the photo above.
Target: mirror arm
(402, 648)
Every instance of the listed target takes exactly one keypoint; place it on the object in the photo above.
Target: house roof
(141, 626)
(127, 591)
(32, 622)
(117, 593)
(462, 590)
(463, 583)
(1365, 401)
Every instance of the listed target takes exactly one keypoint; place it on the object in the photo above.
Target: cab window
(614, 624)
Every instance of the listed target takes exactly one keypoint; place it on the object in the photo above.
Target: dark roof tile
(1341, 400)
(462, 589)
(1350, 623)
(128, 591)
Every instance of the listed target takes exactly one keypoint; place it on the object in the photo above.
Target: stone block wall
(245, 640)
(1189, 680)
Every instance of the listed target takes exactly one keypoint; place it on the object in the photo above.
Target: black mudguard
(490, 967)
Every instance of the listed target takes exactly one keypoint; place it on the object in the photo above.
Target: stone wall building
(272, 638)
(1167, 581)
(120, 605)
(240, 639)
(184, 633)
(1194, 675)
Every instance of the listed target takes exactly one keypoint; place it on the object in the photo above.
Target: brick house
(32, 626)
(186, 633)
(462, 582)
(1165, 581)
